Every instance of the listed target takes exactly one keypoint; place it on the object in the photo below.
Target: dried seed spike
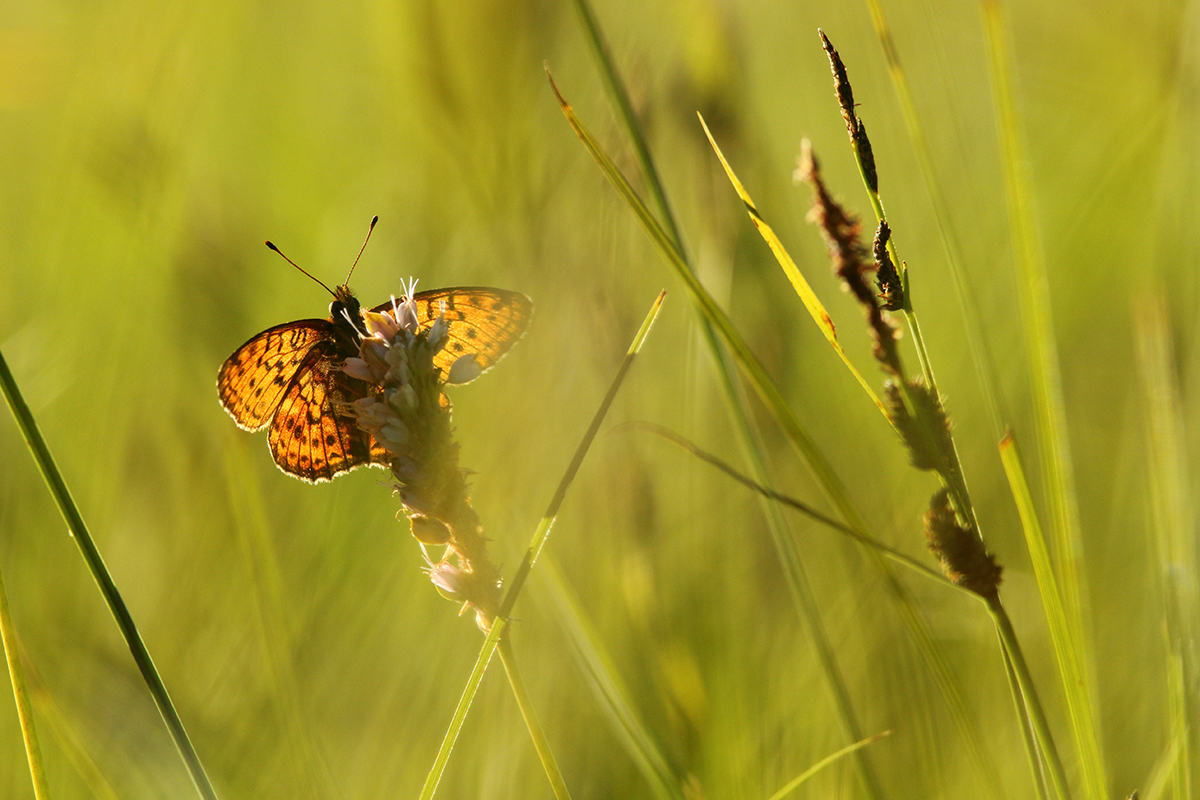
(841, 84)
(926, 430)
(961, 553)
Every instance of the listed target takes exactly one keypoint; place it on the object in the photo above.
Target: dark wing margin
(255, 378)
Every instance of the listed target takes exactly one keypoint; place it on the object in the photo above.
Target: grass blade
(540, 536)
(795, 782)
(12, 654)
(1174, 523)
(1056, 614)
(540, 743)
(803, 508)
(665, 781)
(807, 296)
(79, 531)
(1053, 442)
(735, 399)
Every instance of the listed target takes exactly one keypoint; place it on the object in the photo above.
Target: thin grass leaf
(1056, 615)
(16, 675)
(108, 588)
(795, 782)
(807, 296)
(540, 535)
(616, 88)
(1053, 442)
(1028, 735)
(791, 502)
(813, 458)
(665, 781)
(1174, 521)
(460, 712)
(542, 745)
(64, 733)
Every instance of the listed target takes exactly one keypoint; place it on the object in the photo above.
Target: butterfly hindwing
(254, 379)
(313, 436)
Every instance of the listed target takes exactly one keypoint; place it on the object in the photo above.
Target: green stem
(460, 712)
(531, 721)
(1028, 737)
(1033, 705)
(116, 605)
(33, 752)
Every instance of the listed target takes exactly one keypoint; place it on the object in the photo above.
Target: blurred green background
(147, 149)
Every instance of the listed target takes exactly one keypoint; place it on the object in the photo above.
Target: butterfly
(290, 377)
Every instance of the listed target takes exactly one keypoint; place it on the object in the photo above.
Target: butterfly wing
(255, 378)
(313, 437)
(483, 322)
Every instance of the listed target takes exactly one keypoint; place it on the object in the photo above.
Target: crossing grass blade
(1069, 629)
(815, 309)
(540, 535)
(663, 778)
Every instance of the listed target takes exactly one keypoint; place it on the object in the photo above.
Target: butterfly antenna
(302, 269)
(374, 219)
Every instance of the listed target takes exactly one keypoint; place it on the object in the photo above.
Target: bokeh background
(148, 149)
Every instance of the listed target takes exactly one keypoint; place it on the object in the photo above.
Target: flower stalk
(408, 415)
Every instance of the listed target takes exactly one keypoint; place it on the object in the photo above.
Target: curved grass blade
(1053, 442)
(807, 296)
(540, 743)
(535, 547)
(795, 782)
(12, 654)
(116, 604)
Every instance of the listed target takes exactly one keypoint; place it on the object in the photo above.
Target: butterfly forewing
(253, 379)
(481, 321)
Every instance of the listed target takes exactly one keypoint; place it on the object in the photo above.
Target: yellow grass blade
(807, 296)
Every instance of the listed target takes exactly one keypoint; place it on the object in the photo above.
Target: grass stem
(33, 751)
(531, 721)
(108, 588)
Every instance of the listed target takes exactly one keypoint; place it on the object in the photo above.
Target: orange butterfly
(290, 376)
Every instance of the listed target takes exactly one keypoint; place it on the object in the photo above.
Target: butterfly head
(346, 313)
